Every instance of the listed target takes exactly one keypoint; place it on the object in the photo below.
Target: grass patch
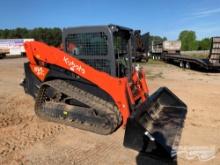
(152, 76)
(199, 55)
(151, 61)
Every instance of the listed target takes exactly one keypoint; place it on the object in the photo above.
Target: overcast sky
(159, 17)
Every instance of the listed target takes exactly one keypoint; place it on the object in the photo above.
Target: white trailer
(15, 47)
(171, 47)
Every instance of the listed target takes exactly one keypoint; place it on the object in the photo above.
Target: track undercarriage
(59, 101)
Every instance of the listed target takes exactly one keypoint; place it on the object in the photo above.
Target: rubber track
(109, 112)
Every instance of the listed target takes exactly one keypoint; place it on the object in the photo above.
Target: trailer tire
(146, 59)
(187, 65)
(23, 54)
(181, 64)
(2, 56)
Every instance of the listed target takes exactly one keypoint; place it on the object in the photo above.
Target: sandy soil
(25, 139)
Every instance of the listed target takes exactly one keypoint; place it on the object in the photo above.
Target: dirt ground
(25, 139)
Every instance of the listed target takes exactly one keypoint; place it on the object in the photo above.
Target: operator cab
(106, 48)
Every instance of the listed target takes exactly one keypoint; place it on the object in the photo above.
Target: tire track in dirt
(101, 153)
(76, 155)
(20, 128)
(20, 138)
(13, 111)
(7, 120)
(79, 147)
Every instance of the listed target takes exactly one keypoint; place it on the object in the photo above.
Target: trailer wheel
(23, 54)
(188, 65)
(146, 59)
(181, 64)
(2, 56)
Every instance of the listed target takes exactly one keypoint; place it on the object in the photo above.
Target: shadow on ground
(143, 159)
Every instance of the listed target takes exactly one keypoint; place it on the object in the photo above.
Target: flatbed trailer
(190, 62)
(212, 63)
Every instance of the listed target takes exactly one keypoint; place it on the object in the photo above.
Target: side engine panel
(31, 82)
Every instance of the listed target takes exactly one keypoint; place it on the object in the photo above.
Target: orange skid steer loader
(92, 85)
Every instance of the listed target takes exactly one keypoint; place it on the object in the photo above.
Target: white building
(15, 46)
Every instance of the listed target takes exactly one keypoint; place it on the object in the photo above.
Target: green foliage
(204, 44)
(164, 38)
(51, 36)
(157, 39)
(188, 40)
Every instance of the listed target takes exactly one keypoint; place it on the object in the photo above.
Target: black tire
(23, 54)
(2, 56)
(146, 59)
(181, 64)
(188, 65)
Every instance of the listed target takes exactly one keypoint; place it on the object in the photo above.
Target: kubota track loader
(92, 85)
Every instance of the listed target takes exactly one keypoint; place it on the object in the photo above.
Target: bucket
(155, 127)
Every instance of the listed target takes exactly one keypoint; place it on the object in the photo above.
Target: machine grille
(100, 64)
(87, 44)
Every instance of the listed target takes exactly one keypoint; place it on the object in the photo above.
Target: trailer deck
(212, 63)
(188, 62)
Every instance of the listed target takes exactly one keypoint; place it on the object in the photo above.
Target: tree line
(190, 42)
(51, 36)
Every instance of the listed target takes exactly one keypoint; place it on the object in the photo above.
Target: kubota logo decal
(73, 66)
(39, 71)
